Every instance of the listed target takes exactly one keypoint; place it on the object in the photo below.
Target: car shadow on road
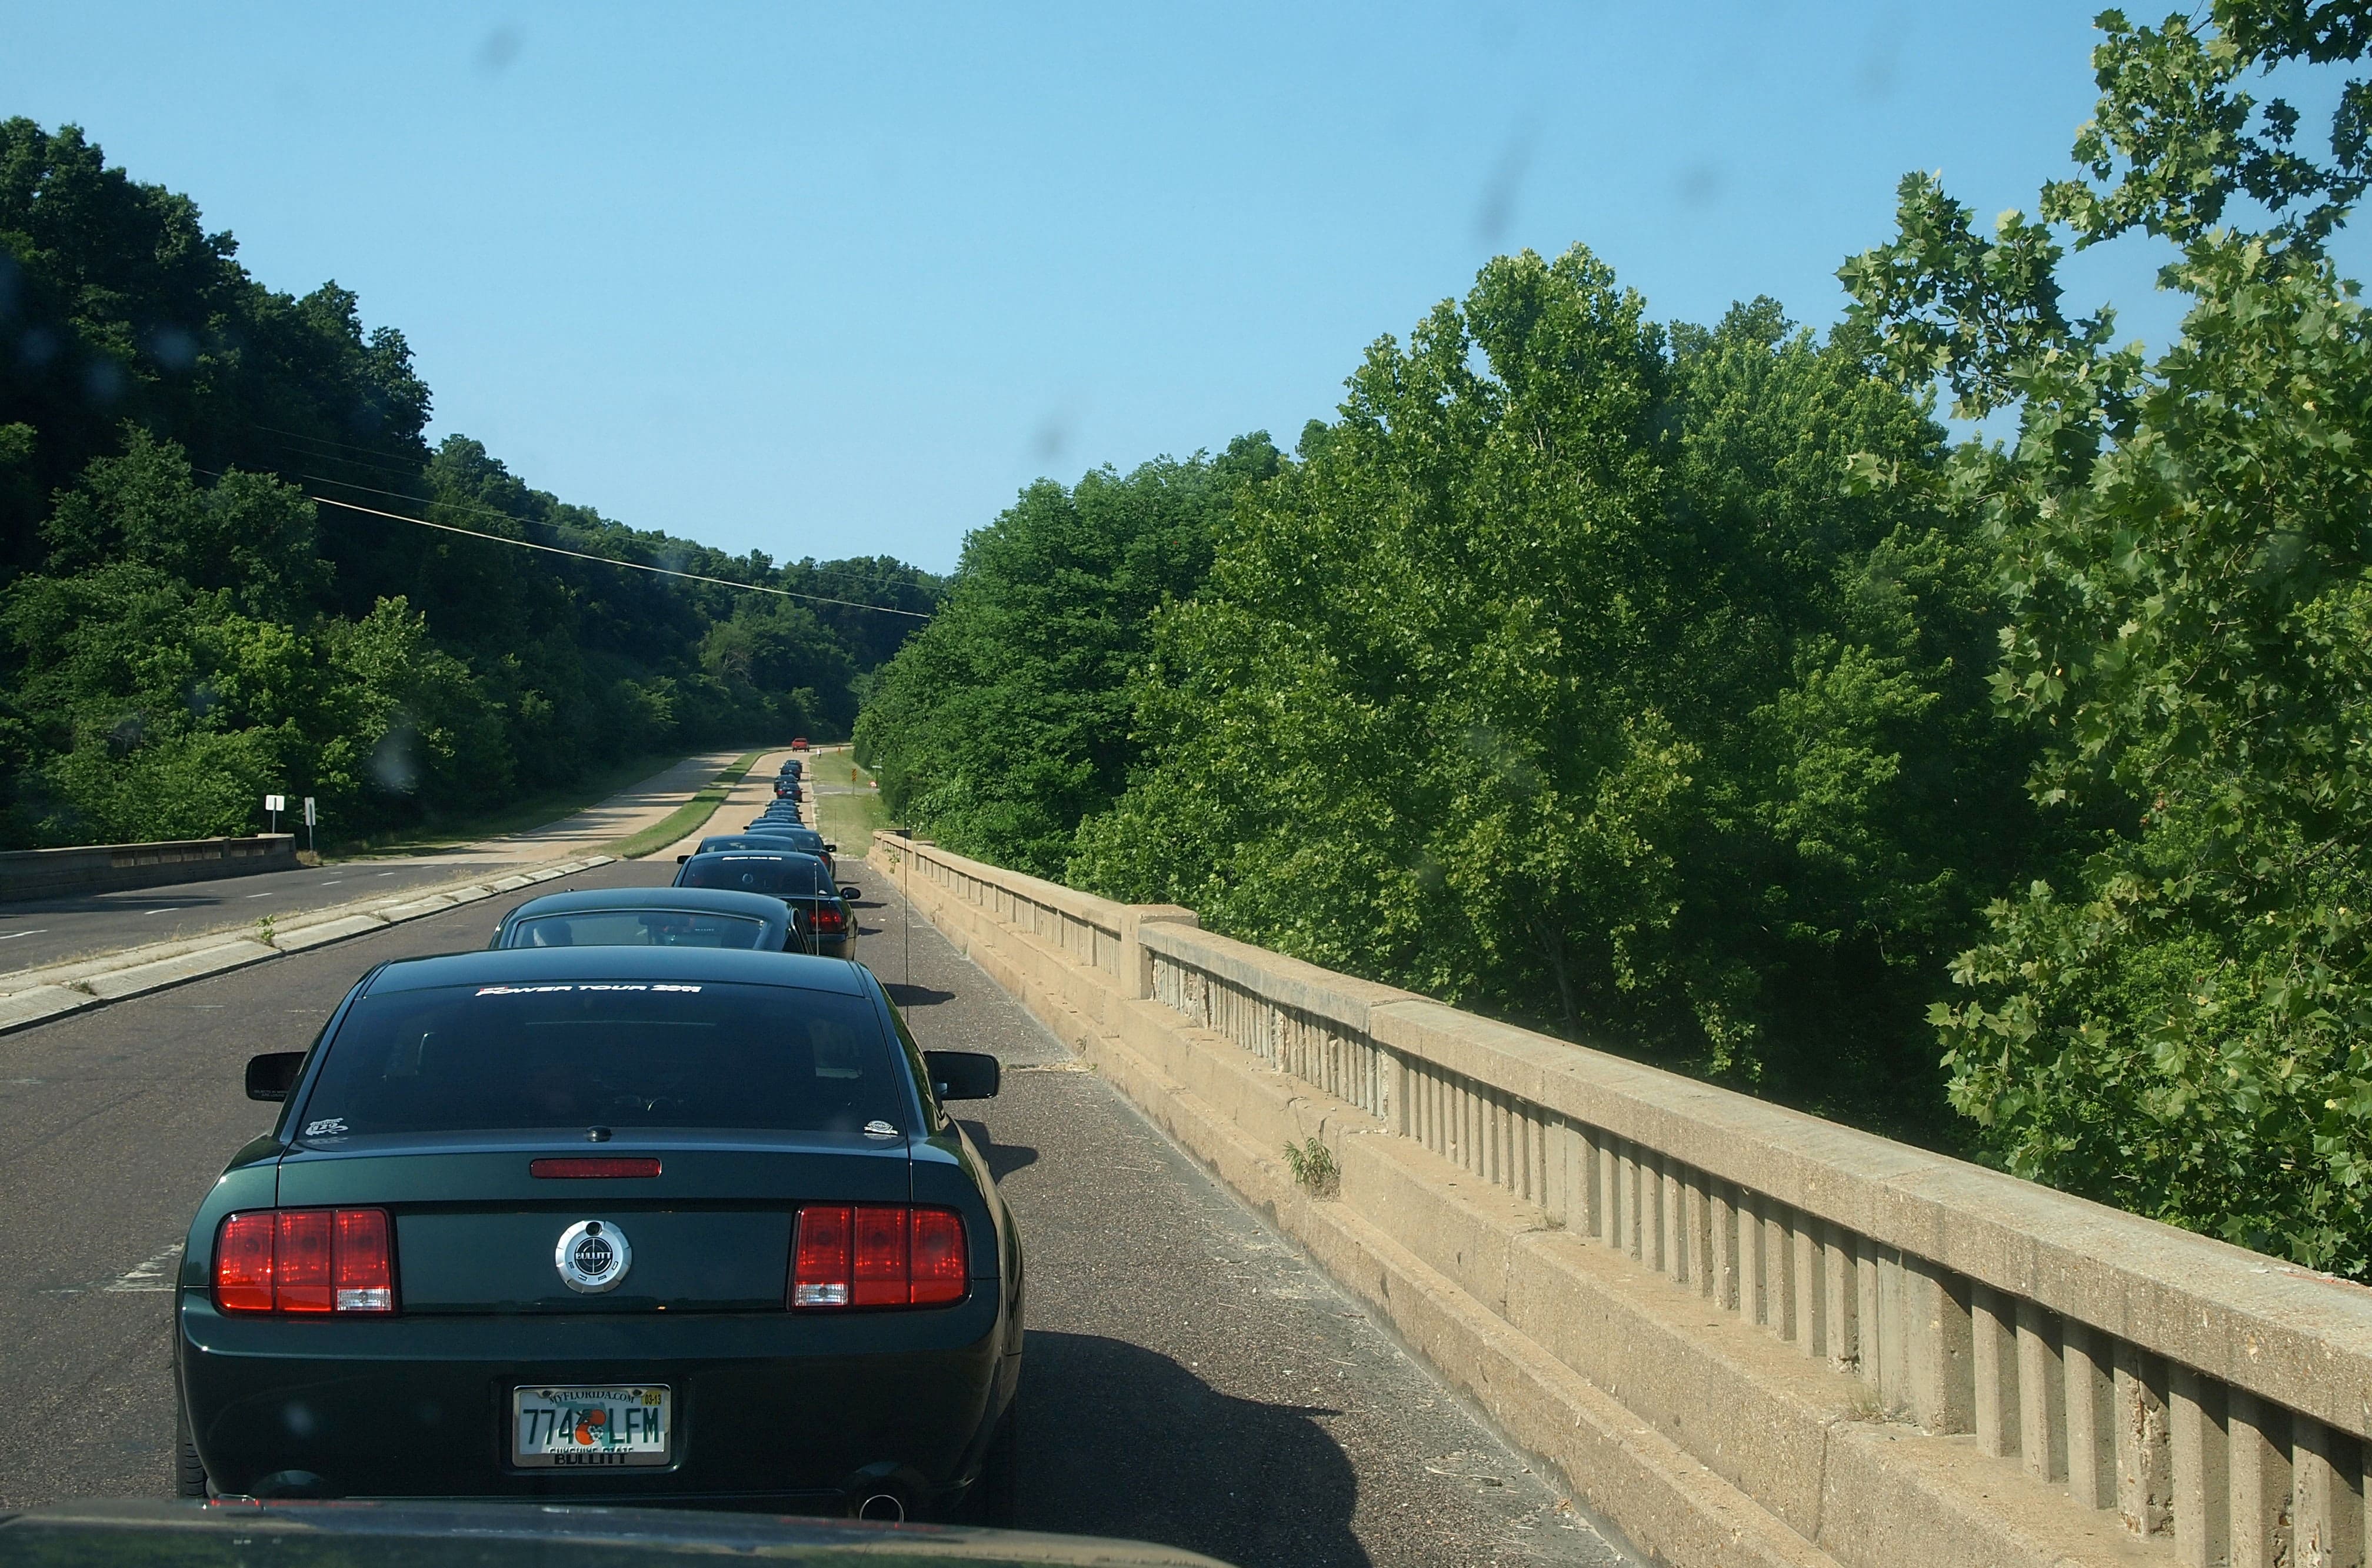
(1118, 1440)
(915, 995)
(1002, 1159)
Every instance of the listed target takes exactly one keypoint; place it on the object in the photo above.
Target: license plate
(591, 1428)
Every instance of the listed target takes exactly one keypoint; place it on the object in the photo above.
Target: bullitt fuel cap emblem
(592, 1256)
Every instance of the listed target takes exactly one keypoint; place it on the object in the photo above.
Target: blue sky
(838, 282)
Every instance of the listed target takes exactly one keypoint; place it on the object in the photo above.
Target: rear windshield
(614, 1053)
(637, 928)
(793, 875)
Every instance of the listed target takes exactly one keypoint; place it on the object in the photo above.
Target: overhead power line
(514, 517)
(610, 559)
(412, 472)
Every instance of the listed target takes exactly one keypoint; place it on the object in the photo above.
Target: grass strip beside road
(518, 816)
(684, 817)
(849, 814)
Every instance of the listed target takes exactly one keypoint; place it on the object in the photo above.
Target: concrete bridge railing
(112, 869)
(1744, 1334)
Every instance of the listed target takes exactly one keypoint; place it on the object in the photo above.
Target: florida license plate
(591, 1428)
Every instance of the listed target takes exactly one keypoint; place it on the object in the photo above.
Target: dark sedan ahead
(803, 838)
(607, 1223)
(649, 917)
(823, 923)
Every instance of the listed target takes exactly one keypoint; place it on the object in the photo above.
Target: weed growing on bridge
(1313, 1167)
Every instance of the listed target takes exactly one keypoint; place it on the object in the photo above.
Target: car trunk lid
(477, 1230)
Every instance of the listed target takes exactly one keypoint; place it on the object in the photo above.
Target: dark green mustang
(655, 1224)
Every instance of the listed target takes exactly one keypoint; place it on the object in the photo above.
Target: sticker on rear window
(599, 985)
(327, 1127)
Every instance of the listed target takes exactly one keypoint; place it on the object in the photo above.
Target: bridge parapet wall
(1897, 1356)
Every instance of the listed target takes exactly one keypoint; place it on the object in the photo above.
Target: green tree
(2175, 1021)
(1573, 673)
(1007, 720)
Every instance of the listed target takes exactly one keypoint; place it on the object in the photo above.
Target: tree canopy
(1572, 675)
(2176, 1019)
(1686, 690)
(1007, 720)
(183, 628)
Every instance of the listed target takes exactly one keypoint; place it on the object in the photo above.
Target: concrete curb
(35, 996)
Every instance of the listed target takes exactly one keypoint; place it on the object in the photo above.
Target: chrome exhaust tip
(883, 1508)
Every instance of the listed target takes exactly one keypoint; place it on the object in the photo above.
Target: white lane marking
(154, 1275)
(331, 883)
(259, 895)
(387, 873)
(14, 935)
(157, 912)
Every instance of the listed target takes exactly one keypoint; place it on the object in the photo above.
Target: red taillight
(363, 1262)
(586, 1168)
(305, 1260)
(300, 1268)
(829, 920)
(881, 1275)
(243, 1263)
(877, 1255)
(938, 1257)
(819, 1273)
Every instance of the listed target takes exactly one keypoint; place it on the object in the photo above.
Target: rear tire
(999, 1487)
(189, 1471)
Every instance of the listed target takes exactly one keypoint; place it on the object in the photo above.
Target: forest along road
(1190, 1379)
(55, 931)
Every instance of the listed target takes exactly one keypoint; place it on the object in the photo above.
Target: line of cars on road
(653, 1200)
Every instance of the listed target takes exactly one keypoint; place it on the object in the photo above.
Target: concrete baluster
(1778, 1268)
(2144, 1457)
(1839, 1299)
(2257, 1459)
(1651, 1209)
(2041, 1394)
(2326, 1516)
(2203, 1488)
(1939, 1367)
(1868, 1282)
(1677, 1197)
(1805, 1266)
(2091, 1429)
(1538, 1131)
(1592, 1186)
(1993, 1343)
(1722, 1272)
(1754, 1258)
(1626, 1201)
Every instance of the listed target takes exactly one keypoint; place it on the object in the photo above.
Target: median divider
(1743, 1335)
(35, 996)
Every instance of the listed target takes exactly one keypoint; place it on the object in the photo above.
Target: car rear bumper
(769, 1411)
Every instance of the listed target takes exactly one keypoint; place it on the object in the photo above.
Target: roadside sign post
(274, 805)
(308, 824)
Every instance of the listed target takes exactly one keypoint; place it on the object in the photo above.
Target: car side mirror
(963, 1074)
(847, 892)
(273, 1073)
(830, 847)
(681, 858)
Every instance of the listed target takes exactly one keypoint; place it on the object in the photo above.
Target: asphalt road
(56, 930)
(49, 931)
(1189, 1378)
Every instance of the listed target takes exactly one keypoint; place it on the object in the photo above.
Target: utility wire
(462, 505)
(612, 561)
(514, 517)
